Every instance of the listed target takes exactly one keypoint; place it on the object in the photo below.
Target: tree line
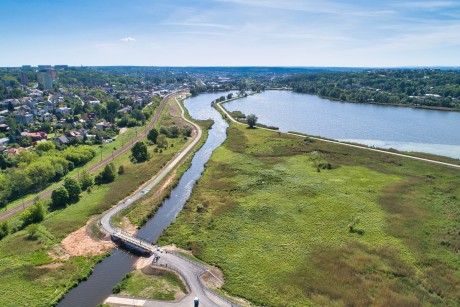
(424, 87)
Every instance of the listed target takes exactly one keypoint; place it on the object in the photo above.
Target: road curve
(105, 220)
(47, 192)
(189, 270)
(346, 144)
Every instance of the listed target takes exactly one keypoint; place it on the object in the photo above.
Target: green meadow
(295, 222)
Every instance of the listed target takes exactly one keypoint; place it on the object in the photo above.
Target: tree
(187, 131)
(45, 146)
(107, 175)
(73, 187)
(152, 135)
(59, 198)
(86, 181)
(229, 96)
(161, 141)
(251, 119)
(34, 214)
(174, 131)
(139, 152)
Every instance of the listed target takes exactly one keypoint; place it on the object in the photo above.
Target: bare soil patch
(79, 243)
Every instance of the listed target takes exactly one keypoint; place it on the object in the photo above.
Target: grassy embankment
(25, 271)
(286, 230)
(145, 208)
(165, 286)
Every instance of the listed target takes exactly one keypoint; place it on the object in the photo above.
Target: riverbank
(299, 221)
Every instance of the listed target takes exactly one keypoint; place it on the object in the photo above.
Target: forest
(416, 87)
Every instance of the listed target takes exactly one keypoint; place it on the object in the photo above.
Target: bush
(107, 175)
(121, 170)
(33, 232)
(73, 187)
(4, 230)
(34, 214)
(79, 155)
(86, 181)
(59, 198)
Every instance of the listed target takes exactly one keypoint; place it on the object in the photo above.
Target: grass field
(28, 275)
(286, 230)
(162, 286)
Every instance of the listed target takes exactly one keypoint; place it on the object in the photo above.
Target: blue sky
(230, 32)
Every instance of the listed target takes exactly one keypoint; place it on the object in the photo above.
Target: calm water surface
(113, 268)
(405, 129)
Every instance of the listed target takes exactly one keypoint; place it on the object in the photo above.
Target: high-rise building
(24, 78)
(45, 79)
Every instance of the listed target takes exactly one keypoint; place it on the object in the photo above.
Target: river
(405, 129)
(113, 268)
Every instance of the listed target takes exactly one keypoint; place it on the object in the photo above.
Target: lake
(405, 129)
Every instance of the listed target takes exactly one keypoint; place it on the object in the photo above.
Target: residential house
(63, 140)
(25, 119)
(35, 136)
(103, 125)
(64, 110)
(4, 128)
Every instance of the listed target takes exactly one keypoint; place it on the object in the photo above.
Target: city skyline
(231, 33)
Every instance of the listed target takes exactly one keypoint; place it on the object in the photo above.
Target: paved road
(347, 144)
(105, 220)
(47, 192)
(190, 271)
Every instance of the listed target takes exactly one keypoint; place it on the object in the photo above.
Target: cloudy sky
(230, 32)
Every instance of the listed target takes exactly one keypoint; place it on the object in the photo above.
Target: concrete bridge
(133, 240)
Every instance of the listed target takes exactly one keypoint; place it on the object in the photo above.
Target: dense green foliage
(139, 152)
(36, 169)
(152, 135)
(107, 175)
(278, 223)
(86, 180)
(394, 86)
(59, 198)
(34, 214)
(251, 119)
(73, 188)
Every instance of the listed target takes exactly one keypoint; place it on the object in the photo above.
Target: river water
(405, 129)
(113, 268)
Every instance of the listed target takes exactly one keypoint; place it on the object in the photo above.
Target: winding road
(189, 270)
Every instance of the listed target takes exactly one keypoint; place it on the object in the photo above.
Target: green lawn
(278, 224)
(162, 286)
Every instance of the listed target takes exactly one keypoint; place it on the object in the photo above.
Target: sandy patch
(79, 243)
(123, 130)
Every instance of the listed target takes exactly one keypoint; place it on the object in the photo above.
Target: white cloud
(128, 39)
